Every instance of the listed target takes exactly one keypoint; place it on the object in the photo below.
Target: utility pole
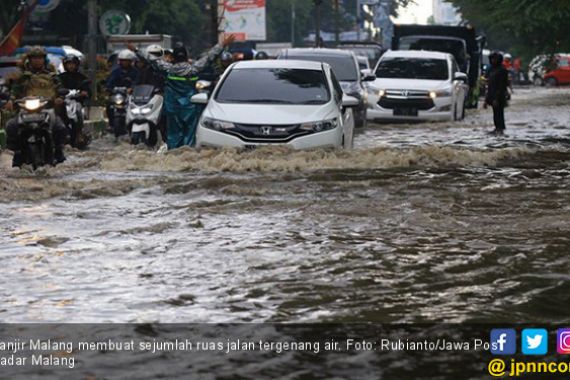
(318, 22)
(92, 45)
(293, 17)
(358, 20)
(336, 22)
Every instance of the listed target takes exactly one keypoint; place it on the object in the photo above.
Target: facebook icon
(503, 341)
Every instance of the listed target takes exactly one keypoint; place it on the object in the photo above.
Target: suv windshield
(274, 86)
(343, 66)
(413, 68)
(454, 47)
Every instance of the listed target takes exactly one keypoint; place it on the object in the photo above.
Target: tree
(526, 27)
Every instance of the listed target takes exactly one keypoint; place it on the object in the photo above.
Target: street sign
(114, 22)
(45, 6)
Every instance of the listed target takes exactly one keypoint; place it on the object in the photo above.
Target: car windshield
(343, 66)
(413, 68)
(274, 86)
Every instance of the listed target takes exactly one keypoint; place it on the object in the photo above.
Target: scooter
(144, 114)
(35, 124)
(75, 118)
(119, 100)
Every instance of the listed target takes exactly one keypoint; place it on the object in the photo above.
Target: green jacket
(29, 82)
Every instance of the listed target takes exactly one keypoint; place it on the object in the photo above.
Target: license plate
(33, 117)
(405, 112)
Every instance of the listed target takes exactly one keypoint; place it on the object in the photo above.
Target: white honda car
(417, 85)
(295, 103)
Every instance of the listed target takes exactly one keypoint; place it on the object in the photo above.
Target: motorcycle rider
(497, 91)
(124, 75)
(73, 79)
(181, 77)
(147, 74)
(37, 78)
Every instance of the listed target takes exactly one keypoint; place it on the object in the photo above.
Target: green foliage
(8, 15)
(525, 27)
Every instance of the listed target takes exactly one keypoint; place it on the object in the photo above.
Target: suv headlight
(217, 125)
(440, 94)
(319, 126)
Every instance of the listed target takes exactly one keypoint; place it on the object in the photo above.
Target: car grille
(406, 99)
(267, 133)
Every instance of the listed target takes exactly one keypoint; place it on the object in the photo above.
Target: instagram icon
(563, 341)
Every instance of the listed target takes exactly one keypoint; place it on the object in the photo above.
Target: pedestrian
(181, 77)
(497, 91)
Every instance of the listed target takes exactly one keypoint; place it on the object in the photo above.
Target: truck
(460, 41)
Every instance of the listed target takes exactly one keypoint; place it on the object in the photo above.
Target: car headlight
(32, 104)
(319, 126)
(217, 125)
(440, 94)
(119, 99)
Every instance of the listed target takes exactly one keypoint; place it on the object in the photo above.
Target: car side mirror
(201, 98)
(369, 78)
(460, 76)
(349, 101)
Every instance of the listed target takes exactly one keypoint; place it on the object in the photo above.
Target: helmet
(508, 56)
(261, 55)
(155, 50)
(37, 51)
(180, 52)
(126, 55)
(496, 55)
(226, 56)
(71, 58)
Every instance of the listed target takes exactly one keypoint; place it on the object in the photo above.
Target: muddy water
(421, 222)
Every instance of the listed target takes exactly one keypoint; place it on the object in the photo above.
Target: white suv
(295, 103)
(417, 85)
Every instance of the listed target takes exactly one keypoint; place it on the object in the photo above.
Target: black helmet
(496, 55)
(180, 52)
(71, 58)
(261, 55)
(226, 56)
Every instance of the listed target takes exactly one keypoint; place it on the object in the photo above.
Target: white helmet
(155, 50)
(126, 55)
(508, 56)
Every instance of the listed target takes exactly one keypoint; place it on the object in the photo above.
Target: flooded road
(420, 223)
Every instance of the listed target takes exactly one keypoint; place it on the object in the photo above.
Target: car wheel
(551, 82)
(537, 81)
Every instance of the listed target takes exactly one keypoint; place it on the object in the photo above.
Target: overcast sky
(417, 13)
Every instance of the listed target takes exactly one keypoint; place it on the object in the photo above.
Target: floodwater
(432, 222)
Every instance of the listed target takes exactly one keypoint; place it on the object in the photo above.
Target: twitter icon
(534, 341)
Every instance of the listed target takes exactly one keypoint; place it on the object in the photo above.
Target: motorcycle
(35, 124)
(75, 117)
(119, 99)
(144, 114)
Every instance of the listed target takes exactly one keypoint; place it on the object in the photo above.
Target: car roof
(318, 51)
(278, 64)
(416, 54)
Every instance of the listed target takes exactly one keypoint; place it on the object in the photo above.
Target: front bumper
(440, 110)
(206, 137)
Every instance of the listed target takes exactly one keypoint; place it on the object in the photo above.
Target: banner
(13, 39)
(245, 19)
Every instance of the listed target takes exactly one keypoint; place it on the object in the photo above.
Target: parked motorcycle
(35, 124)
(75, 117)
(144, 114)
(119, 99)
